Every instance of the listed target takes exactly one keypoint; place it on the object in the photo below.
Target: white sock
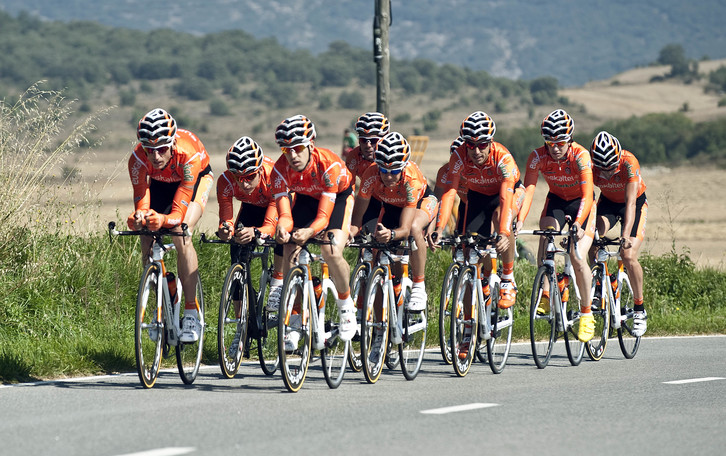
(276, 282)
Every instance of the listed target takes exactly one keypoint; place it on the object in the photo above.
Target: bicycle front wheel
(334, 355)
(267, 341)
(294, 341)
(358, 284)
(600, 306)
(629, 343)
(541, 325)
(448, 288)
(149, 329)
(233, 320)
(374, 326)
(502, 322)
(412, 348)
(575, 348)
(189, 355)
(464, 322)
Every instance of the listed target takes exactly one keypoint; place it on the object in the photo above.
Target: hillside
(575, 42)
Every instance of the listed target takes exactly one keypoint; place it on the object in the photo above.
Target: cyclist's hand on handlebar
(154, 220)
(301, 235)
(625, 243)
(135, 221)
(518, 227)
(580, 231)
(281, 235)
(225, 231)
(382, 234)
(502, 244)
(433, 239)
(245, 235)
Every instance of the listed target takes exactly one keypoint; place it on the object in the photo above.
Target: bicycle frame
(602, 256)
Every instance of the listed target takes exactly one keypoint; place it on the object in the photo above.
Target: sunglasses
(556, 143)
(392, 172)
(160, 149)
(298, 149)
(245, 178)
(479, 145)
(372, 141)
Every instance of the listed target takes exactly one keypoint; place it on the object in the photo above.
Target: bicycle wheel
(448, 288)
(628, 342)
(294, 330)
(601, 312)
(374, 337)
(189, 356)
(232, 322)
(267, 337)
(541, 327)
(498, 345)
(393, 358)
(334, 356)
(414, 324)
(464, 329)
(149, 327)
(358, 283)
(575, 348)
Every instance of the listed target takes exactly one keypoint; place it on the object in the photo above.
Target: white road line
(694, 380)
(164, 452)
(457, 408)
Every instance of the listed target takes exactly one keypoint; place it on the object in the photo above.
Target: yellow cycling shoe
(587, 327)
(543, 307)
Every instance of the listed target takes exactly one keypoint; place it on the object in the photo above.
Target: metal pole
(381, 55)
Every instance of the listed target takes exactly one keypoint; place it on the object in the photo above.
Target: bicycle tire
(294, 364)
(462, 350)
(600, 300)
(413, 347)
(228, 324)
(189, 355)
(575, 349)
(267, 340)
(447, 295)
(358, 283)
(374, 322)
(500, 342)
(541, 327)
(393, 358)
(334, 355)
(148, 309)
(628, 342)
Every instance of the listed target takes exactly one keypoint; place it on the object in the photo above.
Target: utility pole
(381, 55)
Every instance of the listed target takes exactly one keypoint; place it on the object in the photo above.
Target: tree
(672, 54)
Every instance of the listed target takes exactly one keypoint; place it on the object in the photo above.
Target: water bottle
(318, 288)
(174, 285)
(614, 283)
(397, 289)
(563, 282)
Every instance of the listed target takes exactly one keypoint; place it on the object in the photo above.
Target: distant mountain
(574, 41)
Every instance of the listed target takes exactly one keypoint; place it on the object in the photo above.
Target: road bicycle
(476, 319)
(612, 303)
(309, 321)
(387, 323)
(243, 316)
(159, 313)
(448, 288)
(562, 320)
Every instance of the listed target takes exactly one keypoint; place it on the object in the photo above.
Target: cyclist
(349, 140)
(409, 206)
(371, 127)
(622, 197)
(171, 179)
(442, 177)
(567, 169)
(491, 176)
(247, 179)
(323, 203)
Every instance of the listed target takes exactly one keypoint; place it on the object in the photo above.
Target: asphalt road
(607, 407)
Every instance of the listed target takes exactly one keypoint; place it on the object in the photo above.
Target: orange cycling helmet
(245, 156)
(558, 126)
(372, 124)
(605, 151)
(156, 129)
(295, 131)
(393, 151)
(477, 128)
(456, 144)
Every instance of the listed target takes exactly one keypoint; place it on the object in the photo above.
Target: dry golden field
(687, 205)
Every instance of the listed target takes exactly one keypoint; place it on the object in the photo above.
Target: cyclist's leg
(421, 219)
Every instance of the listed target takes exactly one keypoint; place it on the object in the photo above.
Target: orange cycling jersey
(323, 178)
(356, 164)
(407, 192)
(442, 178)
(498, 174)
(569, 178)
(628, 171)
(229, 188)
(188, 159)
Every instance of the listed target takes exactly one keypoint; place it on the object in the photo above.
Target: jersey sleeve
(138, 172)
(225, 198)
(530, 182)
(456, 164)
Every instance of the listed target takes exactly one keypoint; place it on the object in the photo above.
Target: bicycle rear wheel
(358, 283)
(628, 342)
(334, 356)
(267, 342)
(464, 329)
(374, 326)
(294, 327)
(601, 312)
(414, 324)
(575, 348)
(498, 345)
(232, 323)
(189, 355)
(149, 328)
(448, 288)
(541, 327)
